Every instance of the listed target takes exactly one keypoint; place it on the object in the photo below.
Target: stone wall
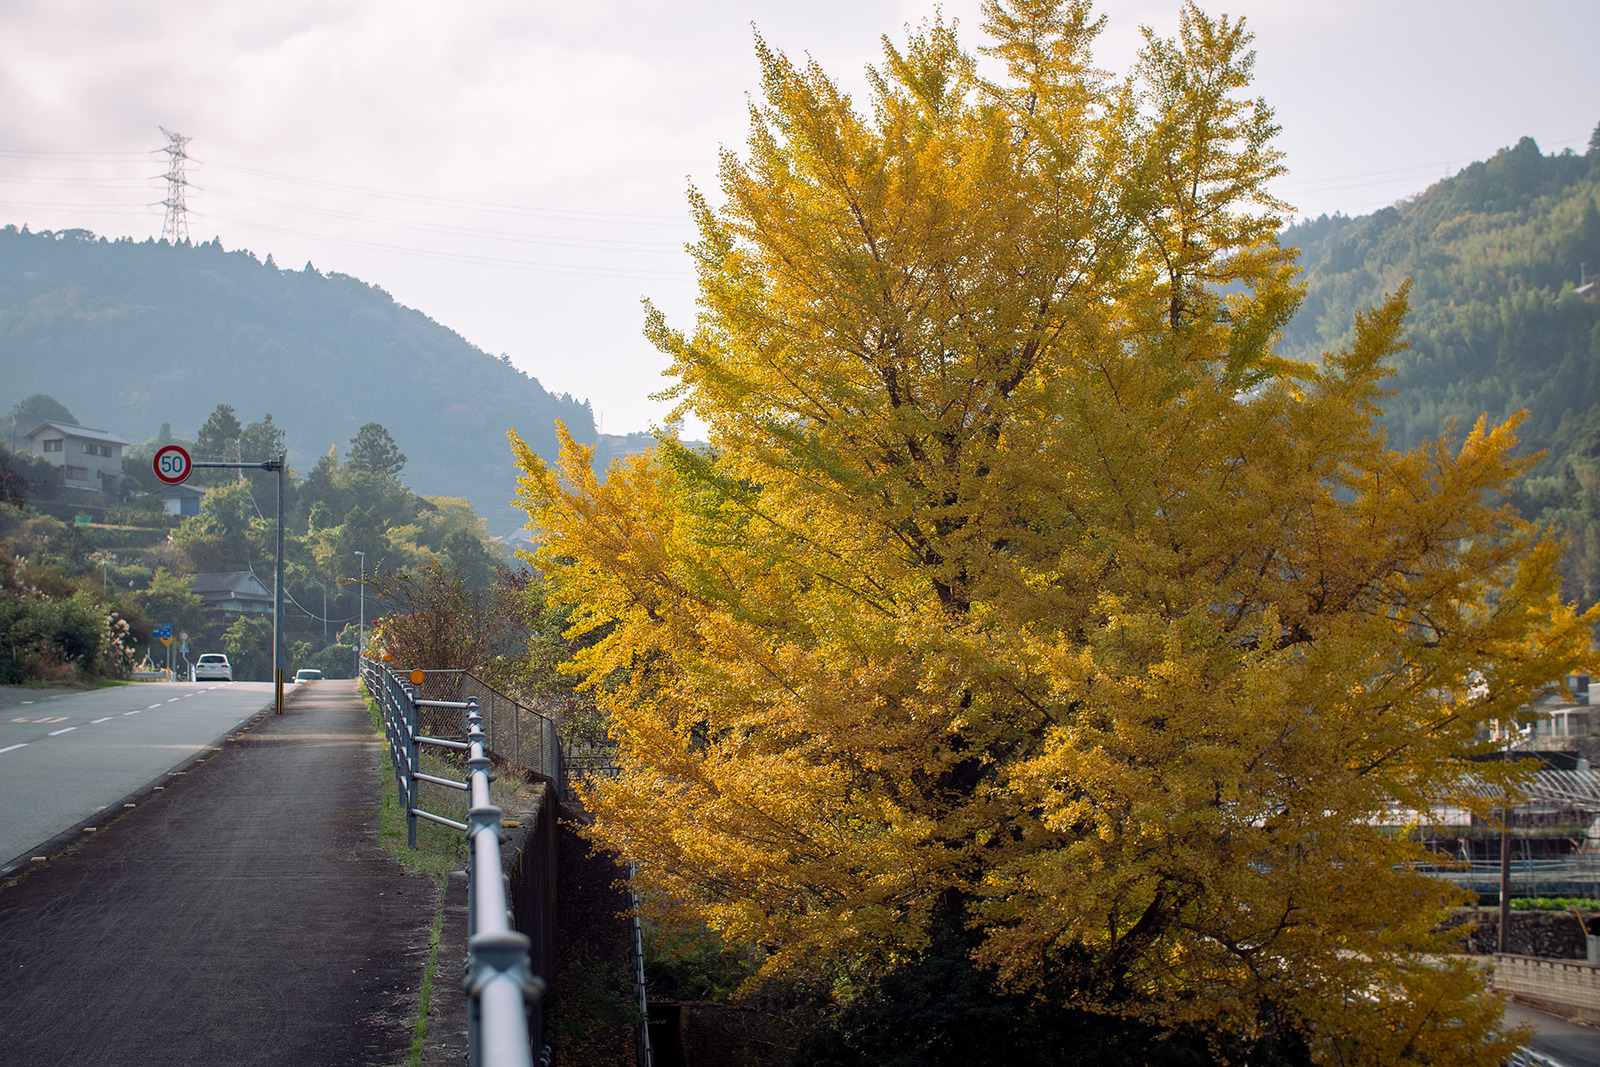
(1548, 934)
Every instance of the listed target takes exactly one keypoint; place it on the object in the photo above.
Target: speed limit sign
(173, 464)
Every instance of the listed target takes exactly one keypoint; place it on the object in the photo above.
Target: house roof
(228, 583)
(83, 432)
(178, 492)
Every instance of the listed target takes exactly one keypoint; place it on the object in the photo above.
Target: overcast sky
(516, 168)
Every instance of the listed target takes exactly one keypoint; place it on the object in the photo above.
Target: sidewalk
(243, 915)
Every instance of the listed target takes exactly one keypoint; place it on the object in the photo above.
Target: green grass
(440, 849)
(106, 683)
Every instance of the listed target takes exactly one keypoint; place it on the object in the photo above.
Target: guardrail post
(408, 792)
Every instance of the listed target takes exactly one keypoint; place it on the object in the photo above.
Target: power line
(616, 217)
(598, 243)
(579, 270)
(74, 157)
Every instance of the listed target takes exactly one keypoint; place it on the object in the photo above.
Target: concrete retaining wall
(1560, 986)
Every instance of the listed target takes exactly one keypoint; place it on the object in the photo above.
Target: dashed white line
(152, 707)
(174, 700)
(136, 711)
(63, 730)
(108, 718)
(13, 748)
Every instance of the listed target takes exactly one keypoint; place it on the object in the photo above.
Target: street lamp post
(361, 630)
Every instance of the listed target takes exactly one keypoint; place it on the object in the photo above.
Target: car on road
(307, 674)
(212, 667)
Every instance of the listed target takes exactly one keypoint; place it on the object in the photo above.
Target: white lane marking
(108, 718)
(137, 710)
(13, 748)
(152, 707)
(58, 733)
(174, 700)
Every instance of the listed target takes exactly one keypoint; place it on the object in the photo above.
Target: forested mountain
(133, 335)
(1501, 319)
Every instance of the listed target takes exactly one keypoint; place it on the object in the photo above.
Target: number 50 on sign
(172, 464)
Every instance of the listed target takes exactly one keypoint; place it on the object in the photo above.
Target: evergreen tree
(218, 438)
(373, 450)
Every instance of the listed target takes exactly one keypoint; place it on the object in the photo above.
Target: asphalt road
(1571, 1044)
(244, 915)
(67, 758)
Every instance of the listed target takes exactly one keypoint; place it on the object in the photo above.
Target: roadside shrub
(1554, 903)
(53, 640)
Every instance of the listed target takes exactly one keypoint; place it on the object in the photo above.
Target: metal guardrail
(523, 737)
(499, 979)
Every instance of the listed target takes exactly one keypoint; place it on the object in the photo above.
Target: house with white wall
(88, 459)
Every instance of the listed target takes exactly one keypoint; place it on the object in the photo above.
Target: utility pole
(175, 227)
(361, 639)
(279, 465)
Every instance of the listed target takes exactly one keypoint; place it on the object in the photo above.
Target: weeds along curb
(419, 1030)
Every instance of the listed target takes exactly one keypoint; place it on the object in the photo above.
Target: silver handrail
(500, 982)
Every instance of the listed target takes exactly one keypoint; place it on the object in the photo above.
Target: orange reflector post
(417, 677)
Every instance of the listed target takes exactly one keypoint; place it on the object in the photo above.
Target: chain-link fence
(518, 735)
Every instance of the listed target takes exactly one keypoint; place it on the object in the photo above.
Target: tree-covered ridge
(1494, 256)
(1499, 321)
(133, 335)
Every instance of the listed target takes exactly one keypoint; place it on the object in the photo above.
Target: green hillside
(1500, 321)
(133, 335)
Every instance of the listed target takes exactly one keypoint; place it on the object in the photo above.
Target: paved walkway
(243, 915)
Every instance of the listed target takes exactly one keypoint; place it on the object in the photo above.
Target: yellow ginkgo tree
(1023, 587)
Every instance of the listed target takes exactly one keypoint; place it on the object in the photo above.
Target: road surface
(243, 916)
(1570, 1044)
(68, 758)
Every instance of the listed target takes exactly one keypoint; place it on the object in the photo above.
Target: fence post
(408, 792)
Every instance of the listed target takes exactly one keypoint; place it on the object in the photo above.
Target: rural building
(181, 500)
(88, 459)
(231, 594)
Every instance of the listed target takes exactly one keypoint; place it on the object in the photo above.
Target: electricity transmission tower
(175, 227)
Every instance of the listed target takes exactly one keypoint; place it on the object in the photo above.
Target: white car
(212, 667)
(307, 674)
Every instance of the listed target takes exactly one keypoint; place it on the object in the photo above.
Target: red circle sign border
(188, 464)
